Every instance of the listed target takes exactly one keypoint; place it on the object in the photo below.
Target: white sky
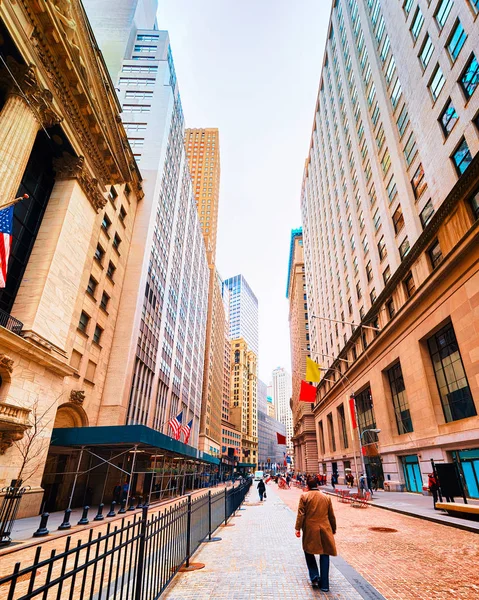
(251, 68)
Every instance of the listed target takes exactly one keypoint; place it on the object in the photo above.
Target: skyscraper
(161, 348)
(243, 311)
(304, 433)
(390, 208)
(270, 453)
(282, 396)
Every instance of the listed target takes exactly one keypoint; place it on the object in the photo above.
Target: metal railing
(9, 509)
(10, 322)
(134, 560)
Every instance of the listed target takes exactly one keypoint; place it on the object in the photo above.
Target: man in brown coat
(316, 519)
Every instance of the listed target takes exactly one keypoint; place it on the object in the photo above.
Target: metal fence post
(226, 505)
(141, 553)
(209, 515)
(188, 532)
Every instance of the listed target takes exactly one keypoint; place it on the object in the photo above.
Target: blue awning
(121, 435)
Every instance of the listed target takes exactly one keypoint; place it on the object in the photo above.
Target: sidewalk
(415, 505)
(260, 558)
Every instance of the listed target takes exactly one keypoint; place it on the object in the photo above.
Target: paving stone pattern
(259, 558)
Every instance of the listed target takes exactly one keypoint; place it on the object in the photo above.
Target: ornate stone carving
(77, 396)
(21, 80)
(6, 363)
(73, 167)
(7, 438)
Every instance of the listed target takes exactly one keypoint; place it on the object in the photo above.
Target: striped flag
(186, 431)
(175, 424)
(6, 227)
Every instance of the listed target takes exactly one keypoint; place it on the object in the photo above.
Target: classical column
(27, 108)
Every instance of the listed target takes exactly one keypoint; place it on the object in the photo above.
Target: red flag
(307, 392)
(281, 438)
(353, 412)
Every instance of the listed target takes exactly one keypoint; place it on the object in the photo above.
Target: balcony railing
(10, 323)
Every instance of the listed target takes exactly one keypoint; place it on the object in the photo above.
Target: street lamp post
(361, 439)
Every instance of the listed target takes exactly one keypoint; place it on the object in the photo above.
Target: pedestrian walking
(433, 487)
(333, 480)
(317, 521)
(363, 485)
(261, 490)
(288, 480)
(374, 482)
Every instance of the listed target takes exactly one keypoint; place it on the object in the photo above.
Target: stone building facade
(62, 144)
(390, 221)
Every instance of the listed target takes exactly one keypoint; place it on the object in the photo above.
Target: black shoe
(324, 589)
(315, 583)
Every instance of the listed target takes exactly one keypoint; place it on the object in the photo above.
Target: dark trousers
(434, 496)
(321, 575)
(260, 495)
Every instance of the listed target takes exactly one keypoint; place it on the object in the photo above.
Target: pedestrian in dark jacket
(433, 487)
(261, 489)
(316, 519)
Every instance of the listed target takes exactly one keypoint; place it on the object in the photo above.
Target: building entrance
(469, 461)
(412, 473)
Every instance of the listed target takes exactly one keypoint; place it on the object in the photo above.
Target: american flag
(6, 227)
(175, 424)
(186, 431)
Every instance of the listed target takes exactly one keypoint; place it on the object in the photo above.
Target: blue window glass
(443, 12)
(417, 24)
(462, 157)
(470, 78)
(457, 40)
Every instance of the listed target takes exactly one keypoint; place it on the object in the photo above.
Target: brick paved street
(421, 561)
(259, 558)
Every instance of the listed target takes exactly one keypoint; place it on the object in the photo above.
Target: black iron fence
(134, 560)
(10, 322)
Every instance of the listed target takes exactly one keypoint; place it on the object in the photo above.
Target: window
(390, 308)
(386, 162)
(75, 359)
(456, 398)
(410, 149)
(474, 203)
(456, 41)
(369, 271)
(366, 418)
(116, 241)
(332, 439)
(404, 248)
(342, 426)
(358, 290)
(462, 157)
(390, 70)
(448, 118)
(372, 295)
(83, 323)
(122, 214)
(365, 244)
(105, 224)
(387, 274)
(418, 183)
(97, 334)
(382, 248)
(112, 194)
(350, 306)
(443, 12)
(426, 213)
(417, 24)
(435, 254)
(409, 285)
(391, 190)
(321, 438)
(426, 51)
(399, 398)
(136, 108)
(92, 285)
(377, 219)
(437, 82)
(99, 253)
(105, 298)
(407, 6)
(396, 94)
(398, 220)
(90, 371)
(474, 6)
(111, 270)
(470, 78)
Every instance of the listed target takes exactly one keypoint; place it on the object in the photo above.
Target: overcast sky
(251, 68)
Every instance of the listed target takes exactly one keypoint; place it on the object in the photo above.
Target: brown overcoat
(316, 519)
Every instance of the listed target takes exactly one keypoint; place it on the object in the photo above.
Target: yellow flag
(313, 372)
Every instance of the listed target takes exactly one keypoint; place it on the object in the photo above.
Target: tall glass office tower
(243, 311)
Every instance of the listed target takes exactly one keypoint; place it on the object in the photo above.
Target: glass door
(412, 473)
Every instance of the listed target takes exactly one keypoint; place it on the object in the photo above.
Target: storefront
(469, 463)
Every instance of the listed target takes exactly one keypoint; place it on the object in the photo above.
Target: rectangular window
(92, 285)
(407, 6)
(122, 215)
(456, 41)
(342, 426)
(97, 334)
(116, 242)
(366, 418)
(387, 274)
(105, 224)
(409, 285)
(418, 182)
(470, 78)
(386, 162)
(111, 270)
(404, 248)
(456, 397)
(332, 438)
(403, 121)
(99, 253)
(462, 157)
(377, 219)
(426, 51)
(83, 323)
(321, 438)
(112, 194)
(436, 83)
(372, 295)
(358, 290)
(136, 108)
(448, 118)
(390, 308)
(474, 203)
(390, 70)
(391, 190)
(474, 6)
(417, 24)
(426, 213)
(435, 254)
(410, 149)
(399, 398)
(398, 220)
(105, 298)
(369, 271)
(443, 12)
(382, 250)
(396, 94)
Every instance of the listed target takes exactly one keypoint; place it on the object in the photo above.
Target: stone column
(27, 108)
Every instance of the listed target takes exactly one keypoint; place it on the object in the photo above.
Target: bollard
(99, 514)
(84, 518)
(42, 530)
(66, 520)
(132, 504)
(140, 502)
(112, 512)
(122, 510)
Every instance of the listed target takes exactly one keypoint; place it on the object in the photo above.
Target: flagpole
(12, 202)
(344, 322)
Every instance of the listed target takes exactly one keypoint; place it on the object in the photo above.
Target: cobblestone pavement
(420, 561)
(259, 558)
